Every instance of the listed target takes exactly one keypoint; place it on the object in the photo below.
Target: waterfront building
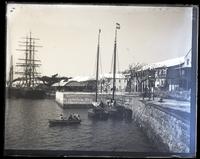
(168, 75)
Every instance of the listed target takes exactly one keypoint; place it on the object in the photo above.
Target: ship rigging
(27, 85)
(29, 64)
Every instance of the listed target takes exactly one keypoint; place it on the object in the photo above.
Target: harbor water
(27, 127)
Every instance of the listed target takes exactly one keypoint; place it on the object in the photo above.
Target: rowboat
(63, 122)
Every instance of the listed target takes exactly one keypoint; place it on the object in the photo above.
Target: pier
(75, 99)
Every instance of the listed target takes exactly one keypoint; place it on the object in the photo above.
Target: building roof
(82, 78)
(79, 80)
(89, 78)
(75, 84)
(60, 83)
(110, 75)
(166, 63)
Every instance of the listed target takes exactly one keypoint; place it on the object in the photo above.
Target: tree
(48, 81)
(131, 72)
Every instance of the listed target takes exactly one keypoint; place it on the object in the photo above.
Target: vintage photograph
(99, 78)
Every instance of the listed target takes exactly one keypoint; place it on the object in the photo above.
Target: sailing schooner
(115, 110)
(97, 111)
(111, 110)
(28, 83)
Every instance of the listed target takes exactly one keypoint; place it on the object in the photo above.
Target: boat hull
(120, 112)
(128, 114)
(56, 122)
(101, 115)
(25, 93)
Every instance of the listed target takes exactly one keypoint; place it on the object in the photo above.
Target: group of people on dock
(111, 102)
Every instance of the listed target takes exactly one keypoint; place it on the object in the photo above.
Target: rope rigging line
(100, 61)
(117, 61)
(100, 74)
(94, 68)
(111, 69)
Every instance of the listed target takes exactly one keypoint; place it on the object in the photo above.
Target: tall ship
(27, 84)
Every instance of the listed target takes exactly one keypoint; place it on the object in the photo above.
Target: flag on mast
(117, 26)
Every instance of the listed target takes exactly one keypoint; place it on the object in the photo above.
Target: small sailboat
(98, 111)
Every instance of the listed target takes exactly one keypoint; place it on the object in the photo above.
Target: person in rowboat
(61, 117)
(76, 116)
(70, 117)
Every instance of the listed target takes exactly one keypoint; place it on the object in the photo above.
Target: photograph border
(193, 115)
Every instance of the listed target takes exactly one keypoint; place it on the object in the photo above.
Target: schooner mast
(29, 63)
(11, 72)
(97, 72)
(114, 67)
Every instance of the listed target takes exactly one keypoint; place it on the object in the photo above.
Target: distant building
(88, 83)
(106, 82)
(77, 84)
(173, 74)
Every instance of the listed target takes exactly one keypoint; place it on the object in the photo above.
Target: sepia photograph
(100, 80)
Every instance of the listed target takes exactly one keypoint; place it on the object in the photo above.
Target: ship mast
(11, 72)
(114, 67)
(29, 63)
(97, 71)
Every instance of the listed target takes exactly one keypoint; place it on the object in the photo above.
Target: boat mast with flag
(115, 110)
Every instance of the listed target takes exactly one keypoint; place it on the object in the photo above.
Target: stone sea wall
(166, 131)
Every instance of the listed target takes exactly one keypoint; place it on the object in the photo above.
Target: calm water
(26, 127)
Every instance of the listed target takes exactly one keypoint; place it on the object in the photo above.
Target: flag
(117, 26)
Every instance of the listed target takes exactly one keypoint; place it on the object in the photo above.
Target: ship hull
(25, 93)
(102, 115)
(63, 122)
(120, 112)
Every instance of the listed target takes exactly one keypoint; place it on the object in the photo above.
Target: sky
(69, 33)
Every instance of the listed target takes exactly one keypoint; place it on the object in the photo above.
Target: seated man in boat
(70, 117)
(76, 116)
(61, 117)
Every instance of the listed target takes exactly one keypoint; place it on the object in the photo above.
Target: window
(164, 72)
(183, 72)
(188, 60)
